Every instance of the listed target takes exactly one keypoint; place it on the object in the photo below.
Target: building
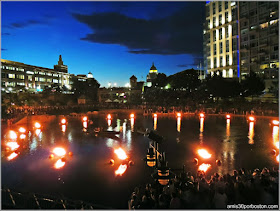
(151, 76)
(16, 76)
(240, 37)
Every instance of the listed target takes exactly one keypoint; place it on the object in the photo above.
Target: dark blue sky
(113, 40)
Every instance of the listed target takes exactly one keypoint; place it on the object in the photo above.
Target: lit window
(224, 73)
(29, 72)
(36, 79)
(230, 73)
(273, 22)
(20, 76)
(11, 75)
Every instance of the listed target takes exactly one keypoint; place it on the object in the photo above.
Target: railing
(16, 200)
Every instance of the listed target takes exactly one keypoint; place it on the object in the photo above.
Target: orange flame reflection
(275, 122)
(155, 123)
(204, 153)
(109, 116)
(85, 118)
(63, 121)
(251, 133)
(12, 156)
(37, 131)
(251, 118)
(85, 124)
(37, 125)
(63, 128)
(59, 151)
(228, 116)
(22, 136)
(179, 114)
(109, 122)
(201, 115)
(59, 164)
(277, 158)
(179, 124)
(121, 169)
(120, 153)
(12, 145)
(132, 115)
(204, 167)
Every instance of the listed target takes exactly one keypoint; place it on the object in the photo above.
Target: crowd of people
(215, 192)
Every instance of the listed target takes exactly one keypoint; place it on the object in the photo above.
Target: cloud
(5, 34)
(4, 49)
(195, 62)
(179, 33)
(44, 21)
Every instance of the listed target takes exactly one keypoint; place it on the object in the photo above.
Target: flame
(59, 151)
(12, 145)
(85, 118)
(59, 164)
(109, 116)
(37, 131)
(179, 114)
(13, 134)
(63, 128)
(37, 125)
(228, 116)
(22, 136)
(275, 136)
(132, 115)
(204, 167)
(277, 158)
(204, 153)
(251, 118)
(22, 130)
(201, 115)
(12, 156)
(121, 169)
(63, 121)
(155, 115)
(275, 122)
(120, 153)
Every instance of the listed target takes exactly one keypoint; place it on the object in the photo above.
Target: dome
(153, 67)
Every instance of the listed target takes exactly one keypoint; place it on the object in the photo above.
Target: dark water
(88, 176)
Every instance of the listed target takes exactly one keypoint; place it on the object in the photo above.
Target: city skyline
(113, 40)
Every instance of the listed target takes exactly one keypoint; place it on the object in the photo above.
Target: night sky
(113, 40)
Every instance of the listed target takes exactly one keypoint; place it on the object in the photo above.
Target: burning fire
(121, 169)
(277, 158)
(13, 145)
(12, 156)
(179, 114)
(132, 115)
(109, 116)
(204, 167)
(251, 118)
(59, 151)
(22, 130)
(37, 125)
(22, 136)
(204, 153)
(275, 122)
(228, 116)
(13, 134)
(63, 121)
(201, 115)
(120, 153)
(85, 119)
(155, 115)
(59, 164)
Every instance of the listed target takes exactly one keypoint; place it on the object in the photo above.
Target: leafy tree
(252, 85)
(161, 80)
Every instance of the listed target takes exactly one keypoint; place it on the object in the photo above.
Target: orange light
(63, 128)
(155, 115)
(204, 167)
(109, 116)
(277, 158)
(22, 136)
(37, 125)
(120, 153)
(179, 114)
(275, 122)
(63, 121)
(13, 145)
(85, 118)
(12, 156)
(22, 130)
(13, 134)
(276, 144)
(59, 151)
(251, 118)
(121, 169)
(85, 124)
(204, 153)
(228, 116)
(132, 115)
(59, 164)
(201, 115)
(37, 131)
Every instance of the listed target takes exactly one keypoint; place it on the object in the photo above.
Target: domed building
(152, 75)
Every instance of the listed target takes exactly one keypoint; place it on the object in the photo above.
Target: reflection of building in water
(251, 133)
(179, 124)
(155, 123)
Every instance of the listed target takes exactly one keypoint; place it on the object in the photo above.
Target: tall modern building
(240, 37)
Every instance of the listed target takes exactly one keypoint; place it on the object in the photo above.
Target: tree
(252, 85)
(161, 80)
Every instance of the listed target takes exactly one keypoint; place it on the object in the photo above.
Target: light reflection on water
(155, 123)
(230, 145)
